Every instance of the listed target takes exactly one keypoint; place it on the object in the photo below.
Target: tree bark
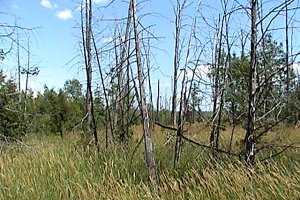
(142, 100)
(287, 50)
(178, 27)
(217, 90)
(250, 133)
(86, 41)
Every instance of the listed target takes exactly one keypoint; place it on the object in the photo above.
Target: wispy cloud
(64, 14)
(100, 1)
(202, 71)
(109, 39)
(78, 8)
(15, 6)
(48, 4)
(296, 67)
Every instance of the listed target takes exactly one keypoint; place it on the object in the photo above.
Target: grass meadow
(49, 167)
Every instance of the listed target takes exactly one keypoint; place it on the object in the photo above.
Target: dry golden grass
(51, 168)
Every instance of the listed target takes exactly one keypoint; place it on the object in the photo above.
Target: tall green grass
(52, 168)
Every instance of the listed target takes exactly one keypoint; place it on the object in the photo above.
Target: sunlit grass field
(53, 168)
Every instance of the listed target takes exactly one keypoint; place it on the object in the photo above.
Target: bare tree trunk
(142, 100)
(221, 74)
(148, 64)
(178, 27)
(158, 102)
(26, 87)
(19, 67)
(183, 108)
(27, 77)
(117, 91)
(181, 120)
(217, 93)
(227, 76)
(125, 102)
(250, 133)
(287, 49)
(86, 42)
(107, 110)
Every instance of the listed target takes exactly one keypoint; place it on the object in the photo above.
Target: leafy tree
(236, 93)
(73, 89)
(99, 108)
(270, 79)
(76, 103)
(10, 119)
(53, 110)
(194, 110)
(271, 59)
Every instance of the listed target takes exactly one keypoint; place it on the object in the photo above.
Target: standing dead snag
(220, 73)
(217, 97)
(250, 135)
(142, 100)
(107, 116)
(178, 27)
(181, 118)
(287, 49)
(185, 92)
(87, 47)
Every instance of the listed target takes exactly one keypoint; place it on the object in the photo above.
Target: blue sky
(55, 41)
(52, 43)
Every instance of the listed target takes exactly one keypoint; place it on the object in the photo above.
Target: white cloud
(201, 71)
(64, 15)
(48, 4)
(15, 6)
(78, 8)
(296, 67)
(100, 1)
(109, 39)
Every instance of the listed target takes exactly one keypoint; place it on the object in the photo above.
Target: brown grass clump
(51, 168)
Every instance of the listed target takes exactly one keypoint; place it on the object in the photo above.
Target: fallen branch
(9, 138)
(80, 123)
(165, 126)
(278, 153)
(293, 146)
(197, 143)
(209, 147)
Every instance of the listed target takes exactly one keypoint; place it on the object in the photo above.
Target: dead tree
(287, 49)
(265, 82)
(19, 67)
(158, 102)
(86, 32)
(252, 85)
(142, 99)
(222, 64)
(29, 71)
(107, 115)
(217, 94)
(178, 27)
(186, 89)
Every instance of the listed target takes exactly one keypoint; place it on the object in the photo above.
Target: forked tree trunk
(142, 100)
(86, 42)
(184, 98)
(107, 116)
(217, 93)
(178, 27)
